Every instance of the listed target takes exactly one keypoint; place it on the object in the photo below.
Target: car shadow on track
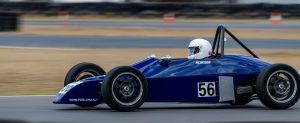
(12, 121)
(172, 107)
(206, 107)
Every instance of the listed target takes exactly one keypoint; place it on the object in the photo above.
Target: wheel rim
(127, 89)
(85, 74)
(281, 86)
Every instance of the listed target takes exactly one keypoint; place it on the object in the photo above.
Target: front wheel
(124, 88)
(278, 86)
(82, 71)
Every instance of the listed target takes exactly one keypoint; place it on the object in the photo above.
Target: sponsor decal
(206, 89)
(83, 100)
(202, 62)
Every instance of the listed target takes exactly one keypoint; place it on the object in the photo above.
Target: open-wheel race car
(221, 78)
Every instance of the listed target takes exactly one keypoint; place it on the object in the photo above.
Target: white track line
(29, 96)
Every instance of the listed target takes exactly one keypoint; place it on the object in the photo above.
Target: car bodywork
(226, 78)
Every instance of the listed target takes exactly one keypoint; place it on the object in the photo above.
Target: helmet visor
(193, 50)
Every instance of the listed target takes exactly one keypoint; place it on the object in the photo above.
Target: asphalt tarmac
(284, 25)
(39, 109)
(92, 42)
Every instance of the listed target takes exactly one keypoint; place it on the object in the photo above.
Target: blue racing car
(208, 75)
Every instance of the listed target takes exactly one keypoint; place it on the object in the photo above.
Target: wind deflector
(219, 42)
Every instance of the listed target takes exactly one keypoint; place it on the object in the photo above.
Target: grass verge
(158, 32)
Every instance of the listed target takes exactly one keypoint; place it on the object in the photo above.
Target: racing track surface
(284, 25)
(39, 109)
(18, 40)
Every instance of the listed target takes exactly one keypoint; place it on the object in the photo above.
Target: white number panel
(206, 89)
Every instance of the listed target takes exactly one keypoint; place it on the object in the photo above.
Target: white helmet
(199, 48)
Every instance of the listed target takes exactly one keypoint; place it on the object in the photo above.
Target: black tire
(115, 88)
(278, 87)
(241, 101)
(75, 74)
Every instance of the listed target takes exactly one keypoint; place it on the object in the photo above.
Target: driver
(199, 48)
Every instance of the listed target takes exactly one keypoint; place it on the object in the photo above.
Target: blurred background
(40, 40)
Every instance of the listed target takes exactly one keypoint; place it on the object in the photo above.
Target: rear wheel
(278, 86)
(82, 71)
(124, 88)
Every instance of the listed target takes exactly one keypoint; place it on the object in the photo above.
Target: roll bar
(219, 42)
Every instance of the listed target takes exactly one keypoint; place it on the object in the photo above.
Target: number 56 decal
(206, 89)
